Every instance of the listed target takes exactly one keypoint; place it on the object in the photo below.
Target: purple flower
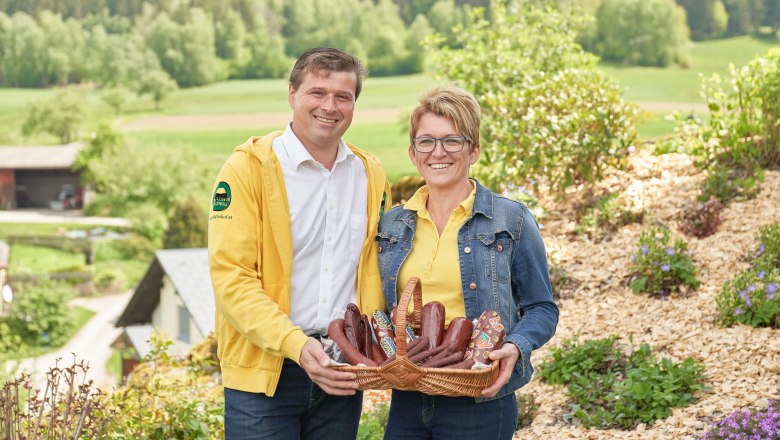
(751, 288)
(662, 292)
(761, 275)
(771, 289)
(748, 302)
(743, 294)
(761, 249)
(738, 311)
(645, 249)
(655, 263)
(633, 258)
(665, 267)
(670, 251)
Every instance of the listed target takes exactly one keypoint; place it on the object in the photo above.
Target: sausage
(487, 336)
(383, 331)
(458, 334)
(422, 356)
(432, 323)
(351, 353)
(377, 354)
(442, 361)
(365, 339)
(351, 318)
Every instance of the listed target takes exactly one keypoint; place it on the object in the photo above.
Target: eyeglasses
(451, 144)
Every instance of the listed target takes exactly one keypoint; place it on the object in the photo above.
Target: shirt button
(473, 286)
(467, 250)
(500, 248)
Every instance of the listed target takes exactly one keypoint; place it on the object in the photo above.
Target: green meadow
(385, 138)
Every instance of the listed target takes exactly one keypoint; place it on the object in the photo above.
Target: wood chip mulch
(742, 363)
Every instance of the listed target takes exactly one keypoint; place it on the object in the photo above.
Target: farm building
(40, 177)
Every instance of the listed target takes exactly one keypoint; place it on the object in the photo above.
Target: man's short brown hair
(453, 103)
(329, 60)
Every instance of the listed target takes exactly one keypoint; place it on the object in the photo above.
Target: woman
(473, 250)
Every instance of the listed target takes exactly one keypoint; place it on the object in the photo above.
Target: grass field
(386, 139)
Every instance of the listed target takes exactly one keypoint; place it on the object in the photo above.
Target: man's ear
(291, 95)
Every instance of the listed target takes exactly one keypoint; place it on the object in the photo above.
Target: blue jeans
(415, 415)
(298, 410)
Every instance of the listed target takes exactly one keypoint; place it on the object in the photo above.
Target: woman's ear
(474, 154)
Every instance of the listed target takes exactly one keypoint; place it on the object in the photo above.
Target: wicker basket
(402, 374)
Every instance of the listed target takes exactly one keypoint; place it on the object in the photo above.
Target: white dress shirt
(328, 217)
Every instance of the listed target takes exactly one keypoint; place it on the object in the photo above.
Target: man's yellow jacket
(250, 258)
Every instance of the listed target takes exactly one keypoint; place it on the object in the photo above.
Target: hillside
(742, 363)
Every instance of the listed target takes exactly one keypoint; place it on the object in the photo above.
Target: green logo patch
(221, 199)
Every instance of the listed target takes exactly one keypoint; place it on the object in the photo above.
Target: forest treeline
(151, 44)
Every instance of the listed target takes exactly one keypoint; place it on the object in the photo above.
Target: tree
(706, 18)
(115, 97)
(549, 116)
(187, 225)
(60, 115)
(103, 142)
(157, 84)
(641, 32)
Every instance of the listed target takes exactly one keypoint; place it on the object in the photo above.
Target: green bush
(134, 247)
(10, 342)
(373, 423)
(605, 215)
(40, 313)
(611, 389)
(549, 116)
(109, 280)
(741, 135)
(187, 225)
(660, 267)
(751, 297)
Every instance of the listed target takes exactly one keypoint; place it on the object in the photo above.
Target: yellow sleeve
(234, 249)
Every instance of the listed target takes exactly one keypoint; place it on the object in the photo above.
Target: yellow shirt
(434, 258)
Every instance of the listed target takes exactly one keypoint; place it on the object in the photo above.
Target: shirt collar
(420, 198)
(298, 154)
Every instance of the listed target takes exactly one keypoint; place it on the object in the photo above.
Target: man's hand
(507, 355)
(316, 364)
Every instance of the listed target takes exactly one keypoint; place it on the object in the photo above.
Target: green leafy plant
(40, 313)
(606, 214)
(373, 423)
(660, 267)
(701, 219)
(609, 388)
(526, 409)
(751, 297)
(549, 116)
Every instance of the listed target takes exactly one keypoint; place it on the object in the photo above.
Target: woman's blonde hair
(453, 103)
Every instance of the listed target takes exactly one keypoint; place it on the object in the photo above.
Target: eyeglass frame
(440, 140)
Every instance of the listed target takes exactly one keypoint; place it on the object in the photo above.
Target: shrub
(109, 280)
(701, 219)
(405, 188)
(373, 423)
(187, 225)
(167, 397)
(40, 313)
(606, 214)
(741, 135)
(10, 342)
(548, 113)
(135, 247)
(68, 408)
(612, 389)
(659, 267)
(752, 297)
(746, 424)
(526, 409)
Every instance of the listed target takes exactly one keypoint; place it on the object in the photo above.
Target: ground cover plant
(748, 425)
(751, 297)
(620, 387)
(661, 266)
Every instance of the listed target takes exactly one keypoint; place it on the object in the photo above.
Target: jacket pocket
(497, 255)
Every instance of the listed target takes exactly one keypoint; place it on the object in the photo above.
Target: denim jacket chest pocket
(496, 250)
(387, 246)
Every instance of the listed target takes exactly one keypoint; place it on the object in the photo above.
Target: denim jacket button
(380, 249)
(500, 248)
(472, 286)
(467, 250)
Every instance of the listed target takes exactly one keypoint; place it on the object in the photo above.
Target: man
(291, 243)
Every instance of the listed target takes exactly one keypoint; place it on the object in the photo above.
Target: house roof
(39, 157)
(137, 336)
(188, 271)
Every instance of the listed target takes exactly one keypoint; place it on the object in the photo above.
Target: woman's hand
(507, 356)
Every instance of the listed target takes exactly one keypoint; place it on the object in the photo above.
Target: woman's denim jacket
(503, 266)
